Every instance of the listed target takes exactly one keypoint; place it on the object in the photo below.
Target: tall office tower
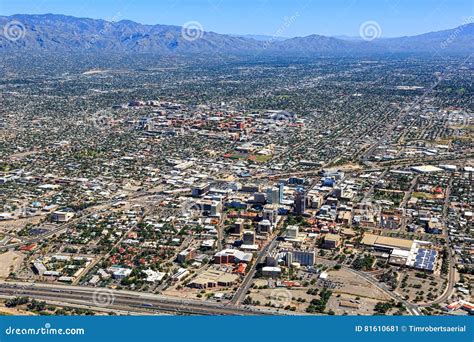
(281, 193)
(269, 193)
(300, 203)
(275, 195)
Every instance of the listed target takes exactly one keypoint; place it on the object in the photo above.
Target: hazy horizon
(268, 18)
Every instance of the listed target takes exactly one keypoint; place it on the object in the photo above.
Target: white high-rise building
(292, 232)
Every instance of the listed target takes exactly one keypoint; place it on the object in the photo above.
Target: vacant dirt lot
(10, 262)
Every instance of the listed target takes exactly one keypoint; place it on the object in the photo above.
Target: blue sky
(286, 18)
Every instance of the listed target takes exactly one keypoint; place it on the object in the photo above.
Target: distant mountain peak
(62, 33)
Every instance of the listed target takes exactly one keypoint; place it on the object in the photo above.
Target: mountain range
(61, 33)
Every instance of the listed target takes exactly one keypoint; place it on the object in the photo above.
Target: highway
(120, 300)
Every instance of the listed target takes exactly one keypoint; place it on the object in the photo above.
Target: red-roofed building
(28, 248)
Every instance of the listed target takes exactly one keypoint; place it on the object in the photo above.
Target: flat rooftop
(385, 241)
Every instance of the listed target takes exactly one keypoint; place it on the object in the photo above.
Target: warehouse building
(385, 243)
